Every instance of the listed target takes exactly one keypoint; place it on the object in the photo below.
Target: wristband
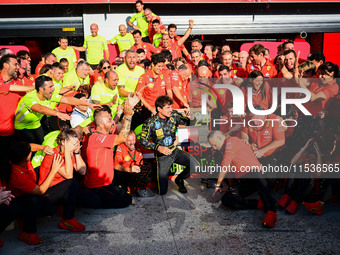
(76, 153)
(190, 27)
(127, 118)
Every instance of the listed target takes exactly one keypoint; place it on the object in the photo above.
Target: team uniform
(270, 131)
(156, 39)
(330, 90)
(61, 190)
(99, 175)
(124, 42)
(268, 69)
(148, 48)
(68, 53)
(27, 121)
(104, 95)
(151, 30)
(141, 23)
(128, 79)
(22, 183)
(95, 47)
(127, 158)
(238, 154)
(174, 48)
(50, 140)
(151, 88)
(162, 132)
(71, 78)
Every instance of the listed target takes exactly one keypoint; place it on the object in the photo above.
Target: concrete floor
(184, 224)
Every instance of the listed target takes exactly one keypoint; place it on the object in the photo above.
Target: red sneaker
(292, 207)
(72, 225)
(30, 238)
(314, 208)
(270, 219)
(283, 201)
(1, 243)
(260, 205)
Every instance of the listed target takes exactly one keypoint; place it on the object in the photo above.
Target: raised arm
(187, 33)
(128, 112)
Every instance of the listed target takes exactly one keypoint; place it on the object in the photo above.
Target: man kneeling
(238, 155)
(99, 153)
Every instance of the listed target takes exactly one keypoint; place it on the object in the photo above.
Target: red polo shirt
(148, 48)
(235, 72)
(268, 69)
(330, 90)
(174, 48)
(46, 166)
(8, 104)
(23, 180)
(100, 160)
(38, 68)
(151, 88)
(238, 154)
(127, 158)
(262, 136)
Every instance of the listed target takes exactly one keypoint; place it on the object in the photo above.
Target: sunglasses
(106, 67)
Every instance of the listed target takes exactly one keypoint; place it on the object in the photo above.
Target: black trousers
(31, 135)
(297, 188)
(64, 193)
(8, 213)
(28, 207)
(164, 164)
(111, 196)
(235, 197)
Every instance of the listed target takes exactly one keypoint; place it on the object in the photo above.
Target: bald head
(203, 72)
(122, 30)
(94, 29)
(216, 139)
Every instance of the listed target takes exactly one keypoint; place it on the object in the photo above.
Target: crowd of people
(69, 131)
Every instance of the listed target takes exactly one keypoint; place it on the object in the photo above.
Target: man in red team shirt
(175, 47)
(196, 57)
(266, 136)
(152, 84)
(48, 58)
(128, 166)
(235, 71)
(238, 155)
(100, 172)
(184, 87)
(24, 72)
(175, 81)
(9, 67)
(139, 44)
(243, 60)
(172, 29)
(259, 62)
(198, 87)
(9, 101)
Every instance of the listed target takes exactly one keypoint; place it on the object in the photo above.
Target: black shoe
(180, 184)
